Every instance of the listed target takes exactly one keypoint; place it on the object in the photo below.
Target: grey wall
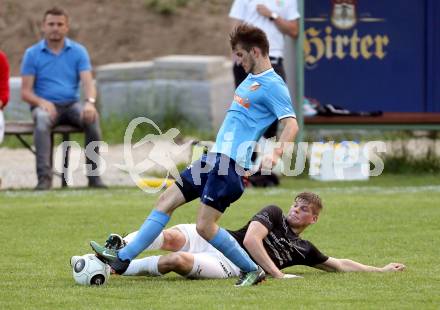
(196, 88)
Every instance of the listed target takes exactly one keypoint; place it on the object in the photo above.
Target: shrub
(165, 7)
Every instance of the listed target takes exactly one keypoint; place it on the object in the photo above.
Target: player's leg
(149, 231)
(220, 239)
(193, 266)
(171, 239)
(173, 197)
(224, 186)
(179, 262)
(147, 266)
(168, 201)
(211, 265)
(208, 261)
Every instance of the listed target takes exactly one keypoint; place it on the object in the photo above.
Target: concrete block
(128, 71)
(195, 89)
(16, 108)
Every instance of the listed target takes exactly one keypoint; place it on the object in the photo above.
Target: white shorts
(209, 263)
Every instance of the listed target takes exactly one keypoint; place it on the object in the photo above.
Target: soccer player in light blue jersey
(216, 178)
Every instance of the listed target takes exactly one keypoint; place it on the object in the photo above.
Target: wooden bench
(25, 128)
(387, 121)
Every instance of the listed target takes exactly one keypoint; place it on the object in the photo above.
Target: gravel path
(17, 166)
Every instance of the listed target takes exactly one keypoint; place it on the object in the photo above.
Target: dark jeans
(69, 114)
(240, 75)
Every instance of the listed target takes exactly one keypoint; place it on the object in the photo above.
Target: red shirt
(4, 79)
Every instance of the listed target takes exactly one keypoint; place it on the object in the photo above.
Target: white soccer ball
(89, 270)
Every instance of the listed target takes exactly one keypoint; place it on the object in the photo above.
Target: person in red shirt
(4, 90)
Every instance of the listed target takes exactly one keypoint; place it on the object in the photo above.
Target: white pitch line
(359, 189)
(267, 192)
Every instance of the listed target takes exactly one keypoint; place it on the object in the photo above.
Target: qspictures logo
(335, 35)
(157, 157)
(344, 160)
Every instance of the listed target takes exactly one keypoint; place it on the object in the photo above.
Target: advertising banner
(372, 55)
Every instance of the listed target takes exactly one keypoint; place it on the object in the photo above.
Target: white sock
(147, 266)
(156, 245)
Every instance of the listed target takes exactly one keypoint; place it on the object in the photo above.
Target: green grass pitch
(387, 219)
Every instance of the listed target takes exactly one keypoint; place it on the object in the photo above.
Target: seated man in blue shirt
(51, 73)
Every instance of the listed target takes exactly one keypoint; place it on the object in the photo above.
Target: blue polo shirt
(57, 76)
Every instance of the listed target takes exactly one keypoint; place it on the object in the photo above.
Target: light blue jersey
(258, 101)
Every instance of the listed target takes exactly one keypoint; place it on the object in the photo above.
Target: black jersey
(284, 247)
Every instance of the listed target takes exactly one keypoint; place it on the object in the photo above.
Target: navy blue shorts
(214, 179)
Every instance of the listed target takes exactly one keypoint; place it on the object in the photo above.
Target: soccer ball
(89, 270)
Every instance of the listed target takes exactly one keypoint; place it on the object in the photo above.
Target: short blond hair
(312, 199)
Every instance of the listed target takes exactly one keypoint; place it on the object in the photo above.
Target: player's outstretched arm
(348, 265)
(253, 242)
(290, 129)
(288, 134)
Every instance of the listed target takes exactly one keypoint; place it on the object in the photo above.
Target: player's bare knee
(180, 261)
(167, 239)
(173, 240)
